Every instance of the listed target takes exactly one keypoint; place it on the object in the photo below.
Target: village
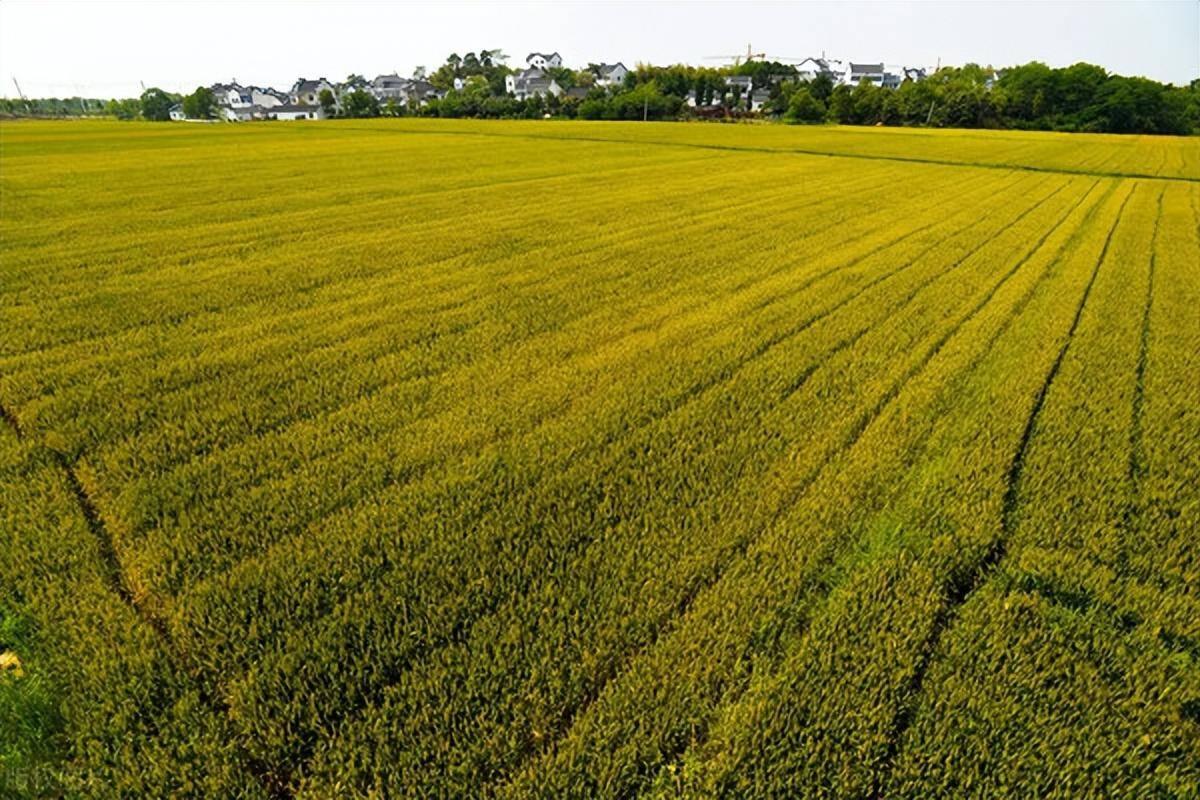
(544, 77)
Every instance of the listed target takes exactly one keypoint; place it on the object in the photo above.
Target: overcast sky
(103, 49)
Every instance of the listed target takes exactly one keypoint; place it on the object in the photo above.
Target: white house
(240, 113)
(290, 111)
(693, 100)
(232, 95)
(742, 82)
(390, 87)
(872, 73)
(759, 98)
(406, 91)
(544, 60)
(239, 103)
(611, 74)
(531, 83)
(306, 92)
(812, 68)
(739, 87)
(266, 97)
(176, 113)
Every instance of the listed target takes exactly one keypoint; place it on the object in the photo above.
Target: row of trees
(154, 104)
(1082, 97)
(63, 107)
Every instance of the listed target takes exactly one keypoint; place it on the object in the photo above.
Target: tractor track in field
(118, 584)
(779, 338)
(958, 595)
(113, 574)
(820, 576)
(1137, 458)
(284, 772)
(847, 442)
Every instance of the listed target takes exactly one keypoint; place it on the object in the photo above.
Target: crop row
(1095, 596)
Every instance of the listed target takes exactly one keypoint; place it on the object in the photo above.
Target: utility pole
(645, 107)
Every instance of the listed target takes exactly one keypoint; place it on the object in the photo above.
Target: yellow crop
(519, 459)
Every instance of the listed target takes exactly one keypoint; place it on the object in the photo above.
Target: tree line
(1079, 98)
(1082, 97)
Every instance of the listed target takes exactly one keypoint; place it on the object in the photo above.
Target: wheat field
(411, 458)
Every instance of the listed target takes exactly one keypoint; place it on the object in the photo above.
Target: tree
(804, 108)
(867, 102)
(328, 102)
(123, 109)
(821, 87)
(156, 104)
(356, 81)
(360, 103)
(841, 105)
(200, 104)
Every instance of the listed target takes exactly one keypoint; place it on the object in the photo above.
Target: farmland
(516, 459)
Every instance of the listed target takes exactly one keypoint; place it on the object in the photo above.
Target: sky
(102, 48)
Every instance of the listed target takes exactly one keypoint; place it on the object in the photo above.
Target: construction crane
(20, 94)
(750, 55)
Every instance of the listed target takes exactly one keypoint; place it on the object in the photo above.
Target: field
(459, 459)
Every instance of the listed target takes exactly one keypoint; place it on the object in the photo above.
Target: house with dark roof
(577, 92)
(531, 83)
(759, 98)
(811, 68)
(390, 87)
(696, 100)
(611, 74)
(308, 92)
(544, 60)
(231, 95)
(858, 73)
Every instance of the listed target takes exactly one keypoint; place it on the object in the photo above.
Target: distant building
(611, 74)
(291, 111)
(239, 103)
(544, 60)
(531, 83)
(577, 92)
(390, 87)
(176, 113)
(421, 92)
(308, 93)
(871, 73)
(241, 113)
(742, 82)
(738, 88)
(811, 68)
(231, 95)
(759, 98)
